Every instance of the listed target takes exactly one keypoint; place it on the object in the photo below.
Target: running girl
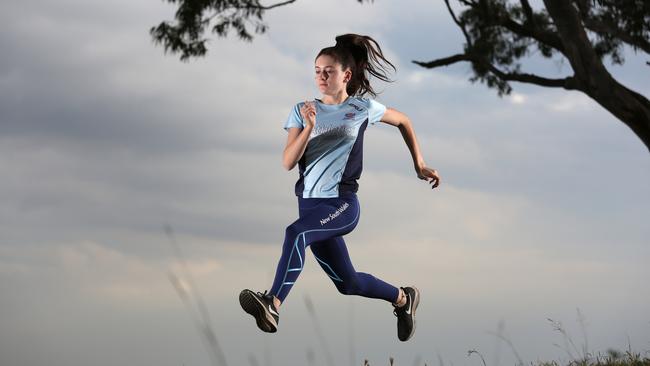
(326, 142)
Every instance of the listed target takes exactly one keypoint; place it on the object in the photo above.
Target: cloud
(517, 98)
(104, 139)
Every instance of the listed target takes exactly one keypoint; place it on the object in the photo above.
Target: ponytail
(357, 53)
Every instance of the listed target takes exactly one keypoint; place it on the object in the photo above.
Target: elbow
(406, 122)
(287, 164)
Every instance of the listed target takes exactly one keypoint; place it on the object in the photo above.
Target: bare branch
(262, 7)
(468, 3)
(444, 61)
(566, 83)
(569, 83)
(462, 26)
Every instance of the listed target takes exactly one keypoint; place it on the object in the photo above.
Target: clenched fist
(308, 112)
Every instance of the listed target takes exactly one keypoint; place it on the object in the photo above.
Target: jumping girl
(326, 141)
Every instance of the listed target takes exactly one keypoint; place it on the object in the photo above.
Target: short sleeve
(294, 119)
(376, 110)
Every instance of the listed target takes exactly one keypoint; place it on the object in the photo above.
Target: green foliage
(491, 41)
(185, 35)
(619, 20)
(499, 33)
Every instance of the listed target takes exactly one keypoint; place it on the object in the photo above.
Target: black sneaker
(261, 307)
(406, 314)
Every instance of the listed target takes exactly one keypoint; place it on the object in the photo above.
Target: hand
(428, 173)
(308, 112)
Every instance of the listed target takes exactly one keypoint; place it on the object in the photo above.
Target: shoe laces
(399, 310)
(268, 297)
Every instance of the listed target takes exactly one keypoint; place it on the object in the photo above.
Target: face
(329, 75)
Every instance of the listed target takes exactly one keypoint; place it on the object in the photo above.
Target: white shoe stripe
(273, 311)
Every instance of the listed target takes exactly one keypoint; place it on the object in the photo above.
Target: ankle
(276, 302)
(401, 299)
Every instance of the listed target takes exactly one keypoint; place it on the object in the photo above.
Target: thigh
(332, 255)
(326, 218)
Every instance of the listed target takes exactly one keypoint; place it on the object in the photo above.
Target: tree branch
(248, 6)
(528, 29)
(468, 3)
(262, 7)
(446, 61)
(600, 27)
(460, 25)
(547, 38)
(584, 6)
(528, 10)
(569, 83)
(586, 65)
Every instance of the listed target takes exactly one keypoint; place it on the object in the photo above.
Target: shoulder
(367, 103)
(360, 103)
(296, 107)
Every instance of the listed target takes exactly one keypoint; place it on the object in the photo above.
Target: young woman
(326, 141)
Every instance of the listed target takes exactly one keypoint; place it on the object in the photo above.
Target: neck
(337, 98)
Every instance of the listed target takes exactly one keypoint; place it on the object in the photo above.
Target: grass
(578, 356)
(611, 358)
(199, 313)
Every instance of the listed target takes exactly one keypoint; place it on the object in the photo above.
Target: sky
(539, 221)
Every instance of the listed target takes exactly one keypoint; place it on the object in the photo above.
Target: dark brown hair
(357, 52)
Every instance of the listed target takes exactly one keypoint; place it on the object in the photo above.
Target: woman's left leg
(333, 257)
(320, 219)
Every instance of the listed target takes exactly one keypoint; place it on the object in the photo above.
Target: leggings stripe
(303, 248)
(326, 220)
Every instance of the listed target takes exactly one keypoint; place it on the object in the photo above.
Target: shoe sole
(416, 302)
(253, 306)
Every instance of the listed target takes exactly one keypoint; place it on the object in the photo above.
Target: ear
(348, 75)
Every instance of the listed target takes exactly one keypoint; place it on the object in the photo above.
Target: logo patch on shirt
(356, 107)
(349, 116)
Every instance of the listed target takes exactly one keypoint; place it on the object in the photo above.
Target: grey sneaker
(406, 314)
(261, 307)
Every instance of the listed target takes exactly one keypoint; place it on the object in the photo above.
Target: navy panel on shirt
(333, 159)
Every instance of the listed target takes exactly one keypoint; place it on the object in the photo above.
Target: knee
(349, 287)
(291, 233)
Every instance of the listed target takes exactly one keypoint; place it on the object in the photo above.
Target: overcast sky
(104, 139)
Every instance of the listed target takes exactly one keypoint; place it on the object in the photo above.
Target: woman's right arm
(298, 137)
(296, 144)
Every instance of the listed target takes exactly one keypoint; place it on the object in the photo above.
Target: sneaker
(406, 314)
(261, 307)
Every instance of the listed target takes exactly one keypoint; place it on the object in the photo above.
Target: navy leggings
(321, 226)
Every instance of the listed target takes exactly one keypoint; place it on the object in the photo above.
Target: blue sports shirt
(333, 159)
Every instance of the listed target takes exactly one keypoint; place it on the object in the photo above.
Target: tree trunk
(593, 79)
(630, 107)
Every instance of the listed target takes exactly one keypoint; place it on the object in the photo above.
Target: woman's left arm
(400, 120)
